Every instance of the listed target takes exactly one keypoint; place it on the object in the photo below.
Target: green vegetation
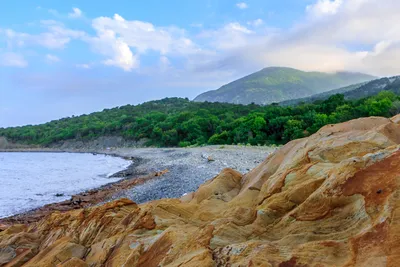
(355, 91)
(180, 122)
(277, 84)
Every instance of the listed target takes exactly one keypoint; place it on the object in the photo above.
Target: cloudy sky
(62, 58)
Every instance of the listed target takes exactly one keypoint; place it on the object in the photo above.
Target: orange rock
(60, 251)
(3, 227)
(161, 173)
(331, 199)
(73, 262)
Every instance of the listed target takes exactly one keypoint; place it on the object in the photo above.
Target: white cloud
(54, 12)
(76, 13)
(56, 36)
(359, 23)
(256, 23)
(325, 7)
(234, 26)
(306, 57)
(333, 36)
(164, 63)
(231, 35)
(11, 59)
(196, 25)
(123, 56)
(242, 5)
(144, 36)
(52, 58)
(83, 66)
(116, 37)
(381, 47)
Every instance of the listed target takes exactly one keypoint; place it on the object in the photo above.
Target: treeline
(180, 122)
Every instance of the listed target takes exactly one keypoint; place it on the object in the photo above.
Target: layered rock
(332, 199)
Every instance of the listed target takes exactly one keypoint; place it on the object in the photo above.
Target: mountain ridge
(353, 92)
(277, 84)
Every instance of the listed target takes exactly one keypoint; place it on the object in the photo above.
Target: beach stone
(332, 199)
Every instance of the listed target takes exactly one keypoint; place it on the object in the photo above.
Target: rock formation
(332, 199)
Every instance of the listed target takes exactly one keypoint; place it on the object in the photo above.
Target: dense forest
(180, 122)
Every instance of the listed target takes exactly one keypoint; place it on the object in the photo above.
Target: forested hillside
(180, 122)
(321, 96)
(276, 84)
(355, 91)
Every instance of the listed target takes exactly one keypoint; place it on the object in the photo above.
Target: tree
(170, 138)
(293, 129)
(377, 107)
(395, 108)
(219, 139)
(259, 124)
(319, 120)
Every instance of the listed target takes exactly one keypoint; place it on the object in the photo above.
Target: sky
(64, 58)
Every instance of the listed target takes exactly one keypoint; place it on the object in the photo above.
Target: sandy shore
(155, 173)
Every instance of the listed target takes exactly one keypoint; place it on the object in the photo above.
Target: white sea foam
(31, 180)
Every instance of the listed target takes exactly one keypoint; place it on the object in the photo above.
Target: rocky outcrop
(332, 199)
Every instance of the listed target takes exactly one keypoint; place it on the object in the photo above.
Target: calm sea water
(31, 180)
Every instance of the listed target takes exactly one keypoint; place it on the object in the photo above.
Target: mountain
(331, 199)
(355, 91)
(276, 84)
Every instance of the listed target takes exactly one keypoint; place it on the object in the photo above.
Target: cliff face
(332, 199)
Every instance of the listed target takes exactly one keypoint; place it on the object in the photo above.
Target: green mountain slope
(355, 91)
(276, 84)
(321, 96)
(374, 87)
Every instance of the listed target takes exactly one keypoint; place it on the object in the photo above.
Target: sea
(31, 180)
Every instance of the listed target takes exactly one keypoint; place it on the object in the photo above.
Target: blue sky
(63, 58)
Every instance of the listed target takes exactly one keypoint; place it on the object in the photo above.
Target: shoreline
(183, 170)
(46, 150)
(84, 199)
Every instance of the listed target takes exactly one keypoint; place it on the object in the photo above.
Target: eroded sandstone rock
(332, 199)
